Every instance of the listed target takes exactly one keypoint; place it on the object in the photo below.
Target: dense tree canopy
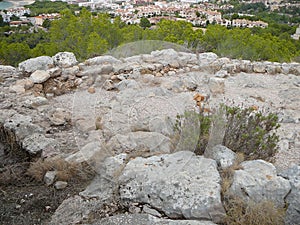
(87, 35)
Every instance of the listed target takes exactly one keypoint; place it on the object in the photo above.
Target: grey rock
(7, 71)
(222, 74)
(70, 71)
(59, 117)
(39, 76)
(55, 72)
(21, 126)
(246, 66)
(293, 199)
(38, 63)
(36, 102)
(59, 185)
(224, 156)
(151, 211)
(179, 184)
(259, 67)
(258, 181)
(295, 69)
(207, 57)
(86, 153)
(104, 185)
(49, 177)
(274, 68)
(144, 219)
(216, 85)
(167, 57)
(139, 141)
(106, 59)
(162, 124)
(75, 210)
(122, 85)
(36, 143)
(64, 59)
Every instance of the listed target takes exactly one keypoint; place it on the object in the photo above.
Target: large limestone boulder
(146, 219)
(65, 59)
(181, 185)
(38, 63)
(293, 198)
(258, 181)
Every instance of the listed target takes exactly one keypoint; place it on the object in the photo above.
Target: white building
(296, 36)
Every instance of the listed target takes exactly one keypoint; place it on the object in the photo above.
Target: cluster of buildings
(199, 15)
(24, 17)
(131, 11)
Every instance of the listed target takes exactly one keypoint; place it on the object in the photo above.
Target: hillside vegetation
(88, 35)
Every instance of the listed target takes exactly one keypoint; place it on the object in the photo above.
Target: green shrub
(242, 130)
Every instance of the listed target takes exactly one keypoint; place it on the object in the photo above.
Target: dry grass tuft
(227, 173)
(65, 170)
(251, 213)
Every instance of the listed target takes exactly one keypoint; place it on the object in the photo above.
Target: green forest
(88, 35)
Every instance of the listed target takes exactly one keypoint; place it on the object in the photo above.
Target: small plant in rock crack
(245, 130)
(193, 129)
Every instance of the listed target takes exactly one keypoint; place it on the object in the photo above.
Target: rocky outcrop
(258, 181)
(119, 114)
(180, 185)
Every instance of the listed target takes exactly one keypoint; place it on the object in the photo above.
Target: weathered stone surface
(86, 152)
(60, 117)
(122, 85)
(49, 177)
(179, 185)
(38, 63)
(21, 126)
(167, 57)
(259, 67)
(216, 85)
(129, 219)
(59, 185)
(104, 185)
(223, 155)
(258, 181)
(39, 76)
(7, 71)
(36, 143)
(106, 59)
(293, 198)
(75, 210)
(34, 102)
(54, 72)
(140, 141)
(64, 59)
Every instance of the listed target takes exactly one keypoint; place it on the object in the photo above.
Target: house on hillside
(296, 36)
